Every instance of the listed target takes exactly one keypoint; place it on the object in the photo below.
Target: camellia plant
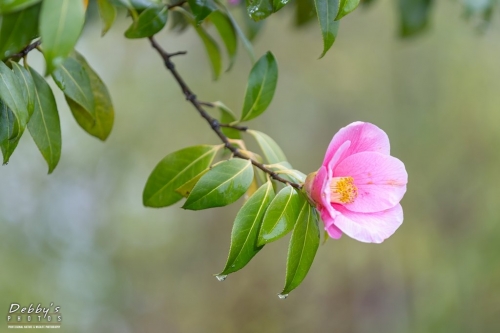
(356, 190)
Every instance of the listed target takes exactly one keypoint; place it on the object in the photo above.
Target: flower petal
(332, 230)
(369, 227)
(380, 179)
(363, 137)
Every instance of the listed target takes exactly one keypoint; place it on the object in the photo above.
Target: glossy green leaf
(201, 9)
(12, 94)
(186, 188)
(61, 22)
(135, 4)
(102, 124)
(278, 4)
(302, 248)
(227, 117)
(210, 45)
(269, 147)
(246, 229)
(173, 171)
(27, 86)
(346, 7)
(107, 12)
(228, 34)
(74, 81)
(246, 43)
(259, 9)
(222, 185)
(10, 6)
(44, 125)
(327, 11)
(414, 16)
(7, 124)
(17, 30)
(261, 87)
(151, 21)
(281, 215)
(305, 12)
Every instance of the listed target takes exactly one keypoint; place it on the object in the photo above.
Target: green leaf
(12, 94)
(151, 21)
(269, 147)
(7, 123)
(10, 6)
(107, 12)
(302, 248)
(17, 30)
(27, 86)
(261, 87)
(285, 170)
(178, 21)
(44, 125)
(346, 7)
(175, 170)
(414, 16)
(281, 216)
(227, 117)
(222, 185)
(134, 4)
(278, 4)
(327, 11)
(101, 126)
(305, 12)
(246, 43)
(74, 81)
(210, 44)
(61, 22)
(259, 9)
(186, 188)
(246, 229)
(228, 34)
(201, 9)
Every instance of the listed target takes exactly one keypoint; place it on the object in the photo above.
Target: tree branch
(214, 123)
(24, 52)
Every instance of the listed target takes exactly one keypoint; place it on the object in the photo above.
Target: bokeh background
(82, 239)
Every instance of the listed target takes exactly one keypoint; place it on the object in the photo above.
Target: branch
(214, 123)
(24, 52)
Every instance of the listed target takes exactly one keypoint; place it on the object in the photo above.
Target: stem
(214, 123)
(24, 52)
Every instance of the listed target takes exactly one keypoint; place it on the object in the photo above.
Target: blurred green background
(82, 239)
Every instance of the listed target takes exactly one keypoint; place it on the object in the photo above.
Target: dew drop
(282, 296)
(221, 277)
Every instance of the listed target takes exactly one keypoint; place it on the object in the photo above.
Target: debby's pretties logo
(34, 316)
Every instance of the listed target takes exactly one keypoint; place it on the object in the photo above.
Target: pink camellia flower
(359, 186)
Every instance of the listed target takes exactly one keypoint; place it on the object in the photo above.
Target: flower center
(343, 190)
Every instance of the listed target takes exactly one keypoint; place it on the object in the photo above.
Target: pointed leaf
(222, 185)
(227, 117)
(281, 215)
(201, 9)
(10, 6)
(286, 171)
(269, 147)
(173, 171)
(44, 125)
(327, 11)
(27, 86)
(226, 31)
(8, 141)
(101, 126)
(278, 4)
(346, 7)
(302, 248)
(61, 22)
(150, 22)
(74, 81)
(107, 12)
(210, 44)
(17, 30)
(261, 87)
(12, 94)
(246, 229)
(186, 188)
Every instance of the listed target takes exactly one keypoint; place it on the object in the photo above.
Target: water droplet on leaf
(282, 296)
(221, 277)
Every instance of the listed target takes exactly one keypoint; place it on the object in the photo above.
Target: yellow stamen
(343, 190)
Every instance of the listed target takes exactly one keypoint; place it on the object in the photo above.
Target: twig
(24, 52)
(214, 123)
